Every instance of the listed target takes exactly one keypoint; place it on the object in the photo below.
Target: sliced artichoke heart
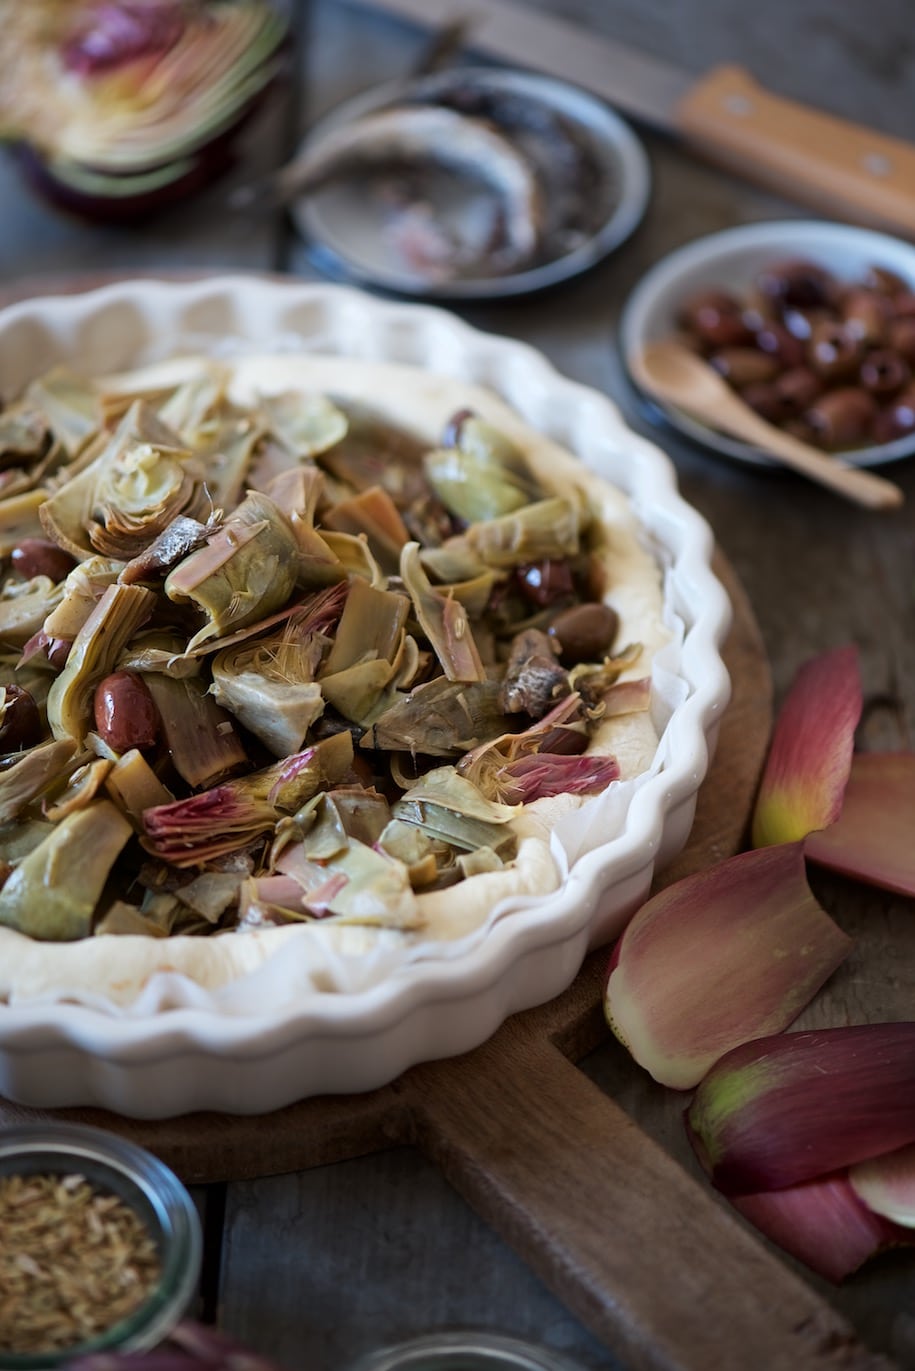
(246, 571)
(306, 425)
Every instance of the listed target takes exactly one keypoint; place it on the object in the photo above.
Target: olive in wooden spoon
(670, 372)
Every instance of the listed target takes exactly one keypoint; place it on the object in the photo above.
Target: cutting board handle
(568, 1179)
(847, 170)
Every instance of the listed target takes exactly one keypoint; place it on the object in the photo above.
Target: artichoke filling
(281, 663)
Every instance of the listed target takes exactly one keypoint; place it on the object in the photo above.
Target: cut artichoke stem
(53, 892)
(94, 654)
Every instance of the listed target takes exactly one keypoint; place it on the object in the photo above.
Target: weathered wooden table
(316, 1267)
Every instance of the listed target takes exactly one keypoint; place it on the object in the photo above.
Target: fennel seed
(74, 1261)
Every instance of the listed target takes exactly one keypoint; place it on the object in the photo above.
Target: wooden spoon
(670, 372)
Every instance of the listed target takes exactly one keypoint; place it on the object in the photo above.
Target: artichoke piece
(24, 435)
(359, 885)
(444, 621)
(53, 892)
(141, 480)
(271, 690)
(548, 529)
(246, 571)
(191, 409)
(82, 590)
(440, 718)
(269, 684)
(81, 789)
(371, 626)
(31, 774)
(341, 815)
(356, 557)
(305, 425)
(19, 839)
(373, 513)
(94, 654)
(69, 404)
(226, 457)
(126, 920)
(449, 808)
(20, 518)
(484, 477)
(356, 691)
(200, 736)
(130, 118)
(134, 786)
(231, 816)
(296, 493)
(24, 606)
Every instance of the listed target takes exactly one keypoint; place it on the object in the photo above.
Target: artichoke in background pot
(116, 107)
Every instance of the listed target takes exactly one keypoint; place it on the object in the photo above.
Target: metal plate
(346, 224)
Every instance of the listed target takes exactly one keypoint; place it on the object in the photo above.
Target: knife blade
(838, 167)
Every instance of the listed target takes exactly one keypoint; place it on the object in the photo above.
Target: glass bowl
(112, 1165)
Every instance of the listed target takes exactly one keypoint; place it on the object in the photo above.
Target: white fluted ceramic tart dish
(299, 1013)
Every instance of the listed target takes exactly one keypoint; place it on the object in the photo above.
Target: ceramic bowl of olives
(812, 323)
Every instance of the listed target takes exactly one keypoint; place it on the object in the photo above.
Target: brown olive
(797, 284)
(884, 372)
(884, 281)
(57, 650)
(543, 583)
(834, 351)
(901, 337)
(800, 323)
(797, 389)
(716, 319)
(904, 305)
(40, 557)
(898, 419)
(21, 721)
(742, 366)
(125, 713)
(763, 397)
(776, 340)
(866, 314)
(842, 418)
(584, 633)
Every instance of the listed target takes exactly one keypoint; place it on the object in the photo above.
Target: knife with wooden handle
(840, 168)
